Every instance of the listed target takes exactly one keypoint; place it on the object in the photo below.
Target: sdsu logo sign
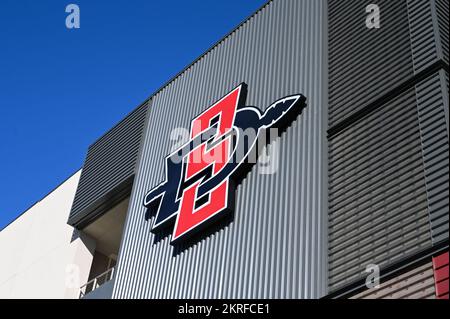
(201, 175)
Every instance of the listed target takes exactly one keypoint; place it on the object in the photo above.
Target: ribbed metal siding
(428, 23)
(417, 283)
(434, 136)
(385, 166)
(110, 163)
(365, 63)
(424, 34)
(276, 244)
(445, 96)
(441, 9)
(377, 198)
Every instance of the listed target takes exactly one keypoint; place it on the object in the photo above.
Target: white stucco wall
(38, 258)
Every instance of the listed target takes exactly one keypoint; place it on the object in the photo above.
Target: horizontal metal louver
(109, 169)
(388, 133)
(434, 136)
(424, 36)
(364, 64)
(441, 7)
(377, 197)
(417, 283)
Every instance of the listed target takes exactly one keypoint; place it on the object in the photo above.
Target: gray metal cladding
(426, 32)
(434, 136)
(275, 247)
(378, 210)
(388, 135)
(417, 283)
(423, 38)
(441, 9)
(364, 64)
(109, 169)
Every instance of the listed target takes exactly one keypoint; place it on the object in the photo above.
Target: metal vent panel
(364, 64)
(378, 210)
(109, 167)
(434, 136)
(424, 36)
(441, 9)
(417, 283)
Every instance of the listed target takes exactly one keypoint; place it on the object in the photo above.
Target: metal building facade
(362, 176)
(388, 139)
(276, 245)
(417, 283)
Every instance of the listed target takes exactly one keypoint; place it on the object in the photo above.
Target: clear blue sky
(61, 89)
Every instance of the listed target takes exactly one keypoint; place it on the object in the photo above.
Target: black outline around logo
(166, 197)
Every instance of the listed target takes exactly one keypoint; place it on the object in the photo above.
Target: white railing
(93, 284)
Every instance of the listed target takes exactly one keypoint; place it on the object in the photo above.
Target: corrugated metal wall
(109, 168)
(424, 37)
(417, 283)
(388, 136)
(276, 245)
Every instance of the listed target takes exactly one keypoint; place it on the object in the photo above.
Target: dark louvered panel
(424, 43)
(446, 82)
(441, 8)
(109, 169)
(388, 135)
(434, 135)
(377, 197)
(417, 283)
(364, 64)
(428, 23)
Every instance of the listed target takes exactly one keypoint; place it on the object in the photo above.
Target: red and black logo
(201, 176)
